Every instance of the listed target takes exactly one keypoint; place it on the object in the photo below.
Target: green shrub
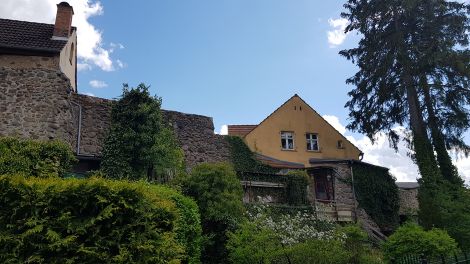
(218, 193)
(411, 239)
(35, 158)
(313, 252)
(297, 187)
(94, 221)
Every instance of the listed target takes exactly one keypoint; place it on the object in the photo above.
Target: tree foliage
(414, 72)
(35, 158)
(218, 193)
(139, 144)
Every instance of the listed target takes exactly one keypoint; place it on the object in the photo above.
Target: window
(340, 144)
(312, 142)
(287, 140)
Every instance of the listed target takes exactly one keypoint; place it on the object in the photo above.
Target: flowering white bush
(294, 228)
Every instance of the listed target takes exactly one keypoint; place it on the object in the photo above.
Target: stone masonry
(35, 103)
(40, 104)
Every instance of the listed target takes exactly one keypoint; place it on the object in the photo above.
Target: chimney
(63, 20)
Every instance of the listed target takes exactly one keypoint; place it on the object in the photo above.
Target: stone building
(409, 205)
(39, 98)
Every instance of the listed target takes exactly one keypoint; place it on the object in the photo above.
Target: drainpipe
(79, 126)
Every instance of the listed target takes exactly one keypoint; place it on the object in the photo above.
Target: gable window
(340, 144)
(287, 140)
(312, 142)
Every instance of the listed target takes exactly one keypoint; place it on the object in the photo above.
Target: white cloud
(223, 130)
(334, 121)
(89, 94)
(380, 153)
(120, 63)
(90, 41)
(336, 36)
(98, 84)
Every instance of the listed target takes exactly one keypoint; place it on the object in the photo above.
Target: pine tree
(406, 78)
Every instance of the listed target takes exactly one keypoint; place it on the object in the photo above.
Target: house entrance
(323, 184)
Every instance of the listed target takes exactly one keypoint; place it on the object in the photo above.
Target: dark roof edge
(345, 161)
(28, 51)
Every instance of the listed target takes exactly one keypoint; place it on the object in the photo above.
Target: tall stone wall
(35, 103)
(409, 204)
(95, 122)
(196, 136)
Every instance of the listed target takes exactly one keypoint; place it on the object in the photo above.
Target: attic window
(287, 140)
(340, 144)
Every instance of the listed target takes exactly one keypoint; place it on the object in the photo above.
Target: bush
(95, 221)
(35, 158)
(297, 187)
(218, 193)
(411, 239)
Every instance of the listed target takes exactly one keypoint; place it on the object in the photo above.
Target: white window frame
(310, 140)
(287, 135)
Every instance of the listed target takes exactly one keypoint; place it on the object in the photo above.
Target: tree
(139, 145)
(404, 45)
(218, 193)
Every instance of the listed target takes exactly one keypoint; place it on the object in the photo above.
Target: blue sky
(233, 60)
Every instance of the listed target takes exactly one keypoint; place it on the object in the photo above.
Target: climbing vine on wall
(243, 159)
(377, 194)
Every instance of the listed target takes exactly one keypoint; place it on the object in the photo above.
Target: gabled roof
(240, 130)
(295, 95)
(28, 36)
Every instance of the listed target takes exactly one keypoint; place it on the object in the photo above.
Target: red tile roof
(240, 130)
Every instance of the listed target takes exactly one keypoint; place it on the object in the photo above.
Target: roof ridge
(40, 23)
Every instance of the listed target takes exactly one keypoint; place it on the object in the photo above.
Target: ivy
(243, 158)
(377, 194)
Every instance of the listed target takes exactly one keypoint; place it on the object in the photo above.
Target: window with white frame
(287, 140)
(312, 142)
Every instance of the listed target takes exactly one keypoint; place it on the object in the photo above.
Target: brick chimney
(63, 20)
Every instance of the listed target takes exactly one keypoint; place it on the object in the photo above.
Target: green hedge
(35, 158)
(95, 221)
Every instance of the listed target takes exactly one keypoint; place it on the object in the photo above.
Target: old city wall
(35, 103)
(195, 133)
(409, 204)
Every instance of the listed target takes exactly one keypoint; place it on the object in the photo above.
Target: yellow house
(295, 135)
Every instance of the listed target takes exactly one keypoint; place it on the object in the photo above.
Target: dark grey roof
(314, 161)
(30, 36)
(407, 185)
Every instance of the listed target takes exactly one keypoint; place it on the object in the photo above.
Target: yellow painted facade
(298, 117)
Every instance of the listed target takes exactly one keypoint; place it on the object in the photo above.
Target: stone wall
(409, 204)
(95, 122)
(35, 103)
(196, 136)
